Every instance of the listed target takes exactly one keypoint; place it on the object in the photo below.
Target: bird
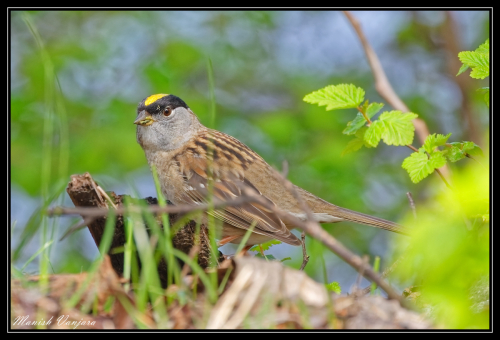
(190, 157)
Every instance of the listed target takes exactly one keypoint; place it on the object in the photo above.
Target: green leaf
(333, 287)
(374, 133)
(364, 107)
(480, 72)
(474, 59)
(373, 109)
(420, 166)
(343, 96)
(462, 69)
(479, 62)
(433, 141)
(394, 127)
(486, 96)
(468, 146)
(353, 145)
(271, 257)
(265, 246)
(356, 143)
(454, 154)
(484, 48)
(459, 150)
(472, 149)
(399, 128)
(370, 111)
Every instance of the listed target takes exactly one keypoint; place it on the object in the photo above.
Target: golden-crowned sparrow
(185, 153)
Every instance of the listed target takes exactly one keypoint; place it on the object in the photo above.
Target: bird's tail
(372, 221)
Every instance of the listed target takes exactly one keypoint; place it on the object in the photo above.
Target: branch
(384, 88)
(171, 209)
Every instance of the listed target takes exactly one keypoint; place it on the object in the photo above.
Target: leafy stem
(392, 127)
(360, 109)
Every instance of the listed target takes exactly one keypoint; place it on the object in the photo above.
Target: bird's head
(164, 122)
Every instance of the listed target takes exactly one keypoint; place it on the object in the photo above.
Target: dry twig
(412, 204)
(305, 257)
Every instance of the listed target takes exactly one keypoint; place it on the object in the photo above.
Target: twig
(102, 192)
(305, 257)
(442, 177)
(80, 225)
(180, 209)
(305, 208)
(382, 84)
(475, 160)
(384, 88)
(412, 204)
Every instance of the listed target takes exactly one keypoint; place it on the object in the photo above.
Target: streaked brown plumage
(184, 152)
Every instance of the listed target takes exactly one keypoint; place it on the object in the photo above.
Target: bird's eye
(168, 111)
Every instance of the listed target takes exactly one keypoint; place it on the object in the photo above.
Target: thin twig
(80, 225)
(305, 208)
(305, 257)
(412, 204)
(412, 147)
(474, 159)
(382, 84)
(442, 177)
(384, 88)
(368, 120)
(102, 192)
(179, 209)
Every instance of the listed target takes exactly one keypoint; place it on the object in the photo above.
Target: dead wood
(85, 192)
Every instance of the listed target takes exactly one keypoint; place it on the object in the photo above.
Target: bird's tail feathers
(372, 221)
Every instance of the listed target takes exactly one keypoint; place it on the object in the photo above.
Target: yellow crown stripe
(153, 98)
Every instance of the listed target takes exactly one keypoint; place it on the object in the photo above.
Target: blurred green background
(264, 63)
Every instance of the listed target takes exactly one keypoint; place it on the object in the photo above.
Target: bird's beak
(144, 118)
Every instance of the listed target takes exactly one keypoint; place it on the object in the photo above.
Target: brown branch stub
(88, 197)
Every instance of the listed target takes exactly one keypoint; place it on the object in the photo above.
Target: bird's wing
(228, 184)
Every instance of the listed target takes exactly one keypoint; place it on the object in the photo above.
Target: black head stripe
(159, 105)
